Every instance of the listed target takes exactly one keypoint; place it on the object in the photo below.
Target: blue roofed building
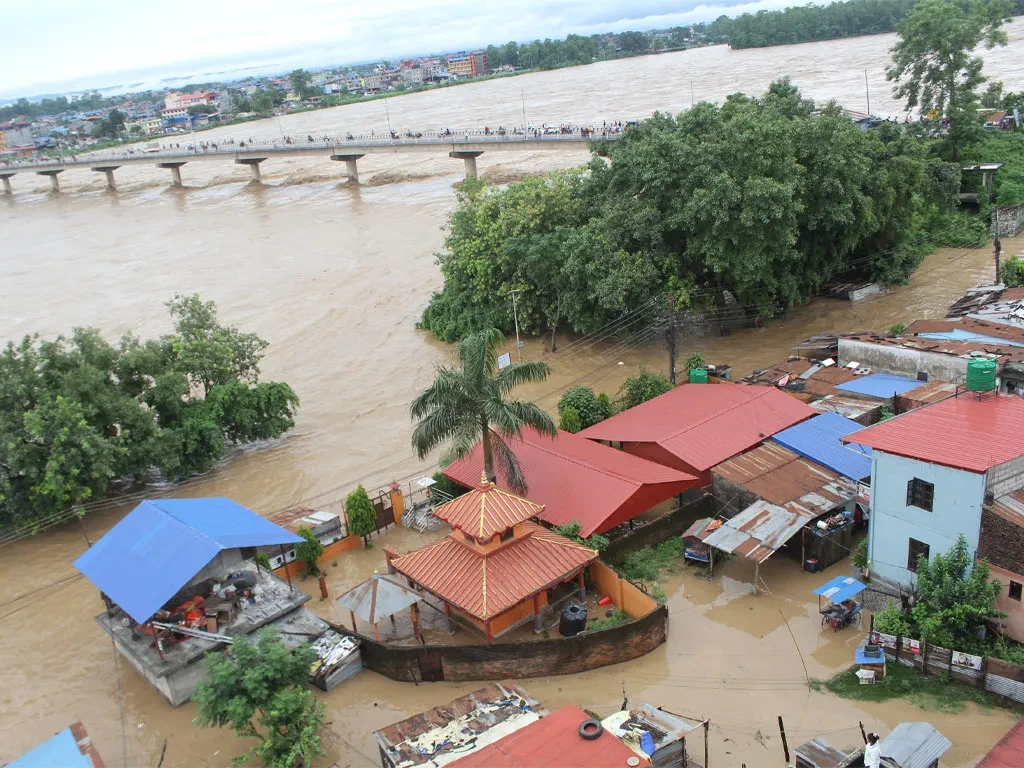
(179, 579)
(820, 439)
(881, 385)
(71, 748)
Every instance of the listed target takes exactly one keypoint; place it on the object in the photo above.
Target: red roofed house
(578, 479)
(554, 741)
(932, 472)
(495, 567)
(696, 426)
(1008, 752)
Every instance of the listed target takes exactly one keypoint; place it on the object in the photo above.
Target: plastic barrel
(981, 374)
(573, 619)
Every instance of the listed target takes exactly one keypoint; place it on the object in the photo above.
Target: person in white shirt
(872, 752)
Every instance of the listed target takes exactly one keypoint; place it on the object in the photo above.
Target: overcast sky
(59, 45)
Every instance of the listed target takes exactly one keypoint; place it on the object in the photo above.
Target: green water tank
(698, 376)
(981, 374)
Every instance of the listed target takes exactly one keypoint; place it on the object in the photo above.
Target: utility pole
(522, 96)
(867, 92)
(691, 93)
(997, 246)
(670, 334)
(515, 314)
(388, 113)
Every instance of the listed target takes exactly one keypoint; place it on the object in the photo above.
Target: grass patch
(619, 617)
(937, 693)
(647, 564)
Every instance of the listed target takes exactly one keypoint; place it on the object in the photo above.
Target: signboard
(504, 361)
(884, 640)
(914, 646)
(966, 660)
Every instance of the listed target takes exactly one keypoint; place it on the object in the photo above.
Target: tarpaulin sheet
(161, 544)
(840, 588)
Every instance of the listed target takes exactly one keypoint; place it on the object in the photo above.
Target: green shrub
(571, 530)
(617, 618)
(309, 551)
(362, 520)
(658, 594)
(892, 621)
(588, 406)
(1011, 272)
(570, 420)
(639, 389)
(647, 564)
(897, 328)
(860, 554)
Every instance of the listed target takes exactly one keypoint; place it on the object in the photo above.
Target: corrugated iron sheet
(379, 597)
(704, 425)
(915, 745)
(820, 439)
(820, 754)
(756, 532)
(972, 431)
(486, 511)
(488, 585)
(1009, 751)
(783, 478)
(879, 385)
(578, 479)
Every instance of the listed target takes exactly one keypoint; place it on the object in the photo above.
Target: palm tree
(467, 404)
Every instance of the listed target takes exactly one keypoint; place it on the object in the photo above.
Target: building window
(507, 534)
(1015, 590)
(920, 494)
(915, 552)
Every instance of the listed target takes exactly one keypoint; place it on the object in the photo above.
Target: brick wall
(539, 658)
(1001, 542)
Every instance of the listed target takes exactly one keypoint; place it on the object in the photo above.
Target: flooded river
(335, 276)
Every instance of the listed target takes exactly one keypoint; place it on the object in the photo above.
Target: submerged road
(465, 147)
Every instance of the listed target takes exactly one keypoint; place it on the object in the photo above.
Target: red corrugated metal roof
(704, 425)
(488, 585)
(971, 431)
(487, 511)
(553, 741)
(1009, 752)
(578, 479)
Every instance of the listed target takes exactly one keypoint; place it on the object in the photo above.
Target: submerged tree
(258, 690)
(468, 404)
(934, 65)
(362, 520)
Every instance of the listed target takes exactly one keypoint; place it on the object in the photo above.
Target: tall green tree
(956, 598)
(468, 404)
(258, 690)
(302, 83)
(362, 520)
(934, 65)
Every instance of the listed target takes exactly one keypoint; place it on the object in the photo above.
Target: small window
(469, 538)
(920, 494)
(507, 534)
(1015, 590)
(915, 552)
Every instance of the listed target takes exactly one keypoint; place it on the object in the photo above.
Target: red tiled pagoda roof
(487, 510)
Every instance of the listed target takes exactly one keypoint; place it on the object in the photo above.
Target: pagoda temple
(496, 567)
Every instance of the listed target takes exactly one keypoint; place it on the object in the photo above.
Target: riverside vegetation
(79, 413)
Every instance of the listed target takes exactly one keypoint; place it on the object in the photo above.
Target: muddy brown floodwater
(335, 277)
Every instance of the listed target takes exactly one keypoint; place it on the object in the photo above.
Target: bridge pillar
(254, 165)
(54, 184)
(470, 160)
(6, 178)
(108, 171)
(351, 169)
(175, 168)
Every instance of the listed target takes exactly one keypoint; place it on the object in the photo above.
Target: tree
(468, 404)
(933, 62)
(309, 551)
(634, 42)
(77, 412)
(589, 409)
(639, 389)
(302, 84)
(955, 598)
(362, 519)
(202, 109)
(569, 420)
(1011, 272)
(258, 690)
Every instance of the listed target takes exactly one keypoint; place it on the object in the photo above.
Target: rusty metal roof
(442, 734)
(578, 479)
(820, 754)
(847, 406)
(703, 425)
(784, 478)
(486, 584)
(486, 511)
(756, 532)
(931, 392)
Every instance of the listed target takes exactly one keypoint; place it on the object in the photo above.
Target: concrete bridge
(465, 147)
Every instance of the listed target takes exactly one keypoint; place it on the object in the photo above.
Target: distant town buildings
(468, 65)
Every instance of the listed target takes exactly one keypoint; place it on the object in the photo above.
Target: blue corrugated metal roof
(161, 544)
(61, 750)
(962, 334)
(840, 588)
(820, 439)
(880, 385)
